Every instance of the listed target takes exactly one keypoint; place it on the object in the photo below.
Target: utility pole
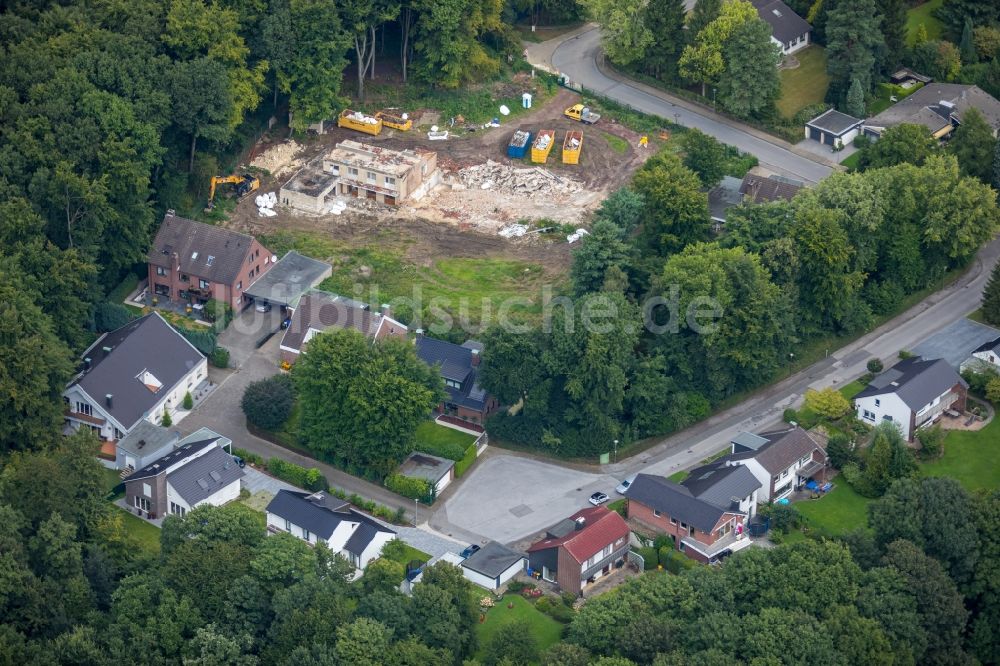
(616, 450)
(414, 511)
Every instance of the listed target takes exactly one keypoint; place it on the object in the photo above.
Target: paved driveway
(245, 331)
(508, 498)
(256, 481)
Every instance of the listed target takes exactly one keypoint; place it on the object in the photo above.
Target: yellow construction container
(394, 121)
(572, 145)
(542, 146)
(356, 120)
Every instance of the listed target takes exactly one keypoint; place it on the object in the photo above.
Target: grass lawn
(806, 84)
(404, 554)
(977, 316)
(677, 477)
(147, 534)
(839, 511)
(441, 441)
(458, 285)
(546, 630)
(852, 161)
(973, 458)
(923, 14)
(852, 389)
(616, 143)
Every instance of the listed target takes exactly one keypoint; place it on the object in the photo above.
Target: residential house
(459, 367)
(788, 30)
(144, 444)
(321, 517)
(437, 471)
(493, 565)
(287, 280)
(985, 357)
(580, 549)
(721, 198)
(705, 515)
(318, 311)
(782, 461)
(765, 189)
(913, 394)
(833, 128)
(133, 374)
(198, 472)
(937, 106)
(191, 262)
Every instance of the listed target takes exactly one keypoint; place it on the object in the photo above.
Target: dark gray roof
(492, 559)
(834, 122)
(674, 500)
(749, 441)
(720, 484)
(991, 346)
(320, 513)
(146, 344)
(288, 279)
(763, 190)
(163, 464)
(425, 466)
(724, 196)
(321, 310)
(783, 449)
(147, 437)
(204, 476)
(194, 243)
(785, 24)
(916, 381)
(362, 536)
(924, 106)
(455, 363)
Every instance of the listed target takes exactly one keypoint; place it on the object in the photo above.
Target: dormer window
(194, 255)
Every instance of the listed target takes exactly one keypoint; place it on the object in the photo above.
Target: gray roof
(147, 437)
(425, 466)
(362, 536)
(916, 381)
(784, 447)
(322, 310)
(674, 500)
(763, 190)
(724, 196)
(991, 346)
(923, 107)
(493, 559)
(146, 344)
(957, 341)
(749, 440)
(456, 364)
(320, 513)
(161, 465)
(834, 122)
(194, 243)
(204, 476)
(206, 433)
(721, 484)
(288, 279)
(785, 24)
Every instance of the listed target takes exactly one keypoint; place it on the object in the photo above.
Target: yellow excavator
(245, 184)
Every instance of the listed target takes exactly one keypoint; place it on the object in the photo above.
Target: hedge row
(249, 456)
(418, 489)
(310, 479)
(462, 466)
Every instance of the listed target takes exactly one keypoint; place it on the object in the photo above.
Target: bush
(518, 586)
(204, 341)
(418, 489)
(297, 475)
(268, 403)
(649, 557)
(662, 541)
(678, 562)
(931, 442)
(784, 517)
(249, 456)
(166, 421)
(315, 480)
(219, 357)
(663, 555)
(874, 366)
(188, 401)
(790, 416)
(840, 449)
(110, 316)
(462, 466)
(903, 354)
(568, 598)
(828, 403)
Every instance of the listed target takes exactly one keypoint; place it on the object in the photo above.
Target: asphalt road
(577, 58)
(513, 497)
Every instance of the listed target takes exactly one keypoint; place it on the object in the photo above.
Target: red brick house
(191, 262)
(318, 311)
(580, 549)
(705, 519)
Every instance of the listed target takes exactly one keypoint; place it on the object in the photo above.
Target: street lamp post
(616, 450)
(713, 98)
(677, 118)
(791, 360)
(414, 511)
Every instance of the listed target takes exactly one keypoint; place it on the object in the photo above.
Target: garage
(833, 128)
(493, 565)
(283, 285)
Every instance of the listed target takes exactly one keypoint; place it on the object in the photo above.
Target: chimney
(86, 364)
(475, 358)
(386, 310)
(175, 263)
(109, 400)
(580, 522)
(141, 443)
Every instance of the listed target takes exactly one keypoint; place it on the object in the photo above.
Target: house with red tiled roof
(580, 549)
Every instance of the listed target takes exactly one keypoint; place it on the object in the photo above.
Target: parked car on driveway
(626, 482)
(598, 499)
(468, 552)
(263, 306)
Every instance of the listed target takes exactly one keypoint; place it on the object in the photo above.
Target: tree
(899, 144)
(364, 642)
(703, 60)
(211, 647)
(828, 403)
(565, 654)
(625, 33)
(852, 39)
(888, 459)
(202, 103)
(664, 19)
(623, 207)
(974, 146)
(706, 156)
(704, 12)
(514, 643)
(315, 69)
(939, 59)
(874, 366)
(750, 85)
(602, 249)
(991, 297)
(894, 18)
(188, 402)
(931, 442)
(840, 450)
(993, 390)
(166, 421)
(676, 209)
(267, 403)
(967, 46)
(361, 402)
(855, 104)
(996, 167)
(361, 18)
(955, 13)
(447, 38)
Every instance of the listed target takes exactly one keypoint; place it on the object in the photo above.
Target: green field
(441, 441)
(458, 285)
(971, 457)
(546, 630)
(839, 511)
(806, 84)
(924, 14)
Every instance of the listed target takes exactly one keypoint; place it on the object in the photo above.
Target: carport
(287, 280)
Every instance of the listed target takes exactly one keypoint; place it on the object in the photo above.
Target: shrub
(664, 554)
(784, 517)
(517, 586)
(110, 316)
(286, 471)
(874, 366)
(993, 390)
(249, 456)
(903, 354)
(166, 421)
(649, 557)
(188, 401)
(268, 403)
(568, 598)
(678, 562)
(828, 403)
(841, 450)
(931, 442)
(418, 489)
(790, 416)
(315, 480)
(204, 341)
(219, 357)
(463, 465)
(661, 541)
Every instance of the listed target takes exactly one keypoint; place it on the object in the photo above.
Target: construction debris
(513, 231)
(577, 235)
(279, 158)
(511, 180)
(266, 203)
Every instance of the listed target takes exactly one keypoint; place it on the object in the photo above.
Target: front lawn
(852, 389)
(852, 161)
(924, 14)
(973, 458)
(677, 477)
(806, 84)
(545, 629)
(441, 441)
(146, 534)
(404, 553)
(839, 511)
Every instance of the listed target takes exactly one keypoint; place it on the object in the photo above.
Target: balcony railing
(946, 402)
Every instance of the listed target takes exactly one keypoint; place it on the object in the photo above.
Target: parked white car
(626, 482)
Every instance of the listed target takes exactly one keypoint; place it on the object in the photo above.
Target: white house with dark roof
(198, 472)
(493, 565)
(782, 461)
(913, 394)
(833, 128)
(984, 357)
(321, 517)
(459, 367)
(788, 30)
(133, 374)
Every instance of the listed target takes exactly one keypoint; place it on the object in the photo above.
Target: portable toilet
(526, 100)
